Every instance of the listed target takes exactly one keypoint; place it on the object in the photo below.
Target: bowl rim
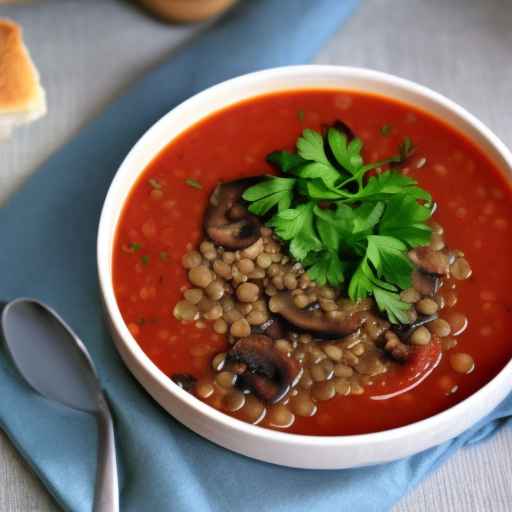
(104, 254)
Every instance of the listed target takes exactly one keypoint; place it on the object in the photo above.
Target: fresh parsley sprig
(342, 223)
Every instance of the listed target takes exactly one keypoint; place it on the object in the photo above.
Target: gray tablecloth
(89, 51)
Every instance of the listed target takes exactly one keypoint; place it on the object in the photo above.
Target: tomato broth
(162, 219)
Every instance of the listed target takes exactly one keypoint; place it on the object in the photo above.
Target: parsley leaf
(392, 305)
(348, 155)
(270, 193)
(404, 219)
(326, 268)
(387, 255)
(389, 183)
(343, 224)
(296, 226)
(364, 283)
(285, 160)
(310, 146)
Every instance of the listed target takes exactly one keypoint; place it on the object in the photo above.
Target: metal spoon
(56, 364)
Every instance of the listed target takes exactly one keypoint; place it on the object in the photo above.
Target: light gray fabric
(90, 51)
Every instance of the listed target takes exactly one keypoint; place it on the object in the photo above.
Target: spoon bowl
(35, 334)
(55, 363)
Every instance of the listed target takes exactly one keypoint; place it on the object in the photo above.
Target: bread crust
(20, 90)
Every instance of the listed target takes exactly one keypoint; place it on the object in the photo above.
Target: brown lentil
(280, 416)
(214, 314)
(193, 295)
(342, 386)
(215, 290)
(410, 296)
(342, 370)
(427, 306)
(232, 315)
(253, 250)
(185, 310)
(228, 257)
(302, 405)
(460, 269)
(220, 326)
(200, 276)
(333, 352)
(458, 322)
(240, 328)
(421, 336)
(290, 281)
(205, 304)
(439, 327)
(191, 259)
(218, 361)
(225, 379)
(253, 411)
(246, 266)
(462, 363)
(204, 389)
(323, 390)
(234, 400)
(248, 292)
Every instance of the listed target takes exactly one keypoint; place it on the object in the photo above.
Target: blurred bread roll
(22, 99)
(186, 10)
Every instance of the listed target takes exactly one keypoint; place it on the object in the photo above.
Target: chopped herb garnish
(191, 182)
(135, 246)
(163, 256)
(386, 130)
(155, 184)
(144, 259)
(141, 321)
(343, 224)
(300, 115)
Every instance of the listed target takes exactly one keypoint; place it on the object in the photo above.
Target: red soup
(337, 297)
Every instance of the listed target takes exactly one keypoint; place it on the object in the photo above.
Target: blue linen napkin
(48, 233)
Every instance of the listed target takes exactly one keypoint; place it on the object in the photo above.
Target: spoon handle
(106, 495)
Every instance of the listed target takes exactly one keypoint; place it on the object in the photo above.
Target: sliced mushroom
(430, 261)
(269, 373)
(227, 221)
(315, 322)
(184, 381)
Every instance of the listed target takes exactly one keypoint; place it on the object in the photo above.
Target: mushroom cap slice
(314, 322)
(227, 220)
(269, 373)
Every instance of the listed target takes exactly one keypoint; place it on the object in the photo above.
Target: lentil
(248, 292)
(421, 336)
(200, 276)
(462, 363)
(191, 259)
(439, 327)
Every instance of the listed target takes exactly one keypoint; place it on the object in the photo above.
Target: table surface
(89, 52)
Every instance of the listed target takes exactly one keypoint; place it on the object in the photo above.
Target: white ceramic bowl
(268, 445)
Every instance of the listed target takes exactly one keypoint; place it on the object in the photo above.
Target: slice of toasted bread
(22, 99)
